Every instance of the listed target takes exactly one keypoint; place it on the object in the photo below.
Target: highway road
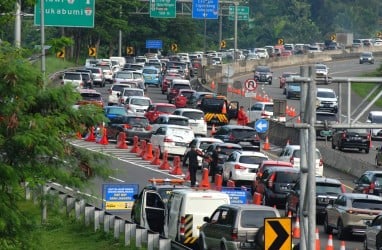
(131, 169)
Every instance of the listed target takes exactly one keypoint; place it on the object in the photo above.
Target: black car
(327, 189)
(274, 184)
(325, 119)
(225, 150)
(238, 134)
(132, 125)
(350, 138)
(263, 74)
(195, 99)
(370, 182)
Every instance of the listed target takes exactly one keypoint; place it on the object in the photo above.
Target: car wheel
(287, 209)
(260, 237)
(366, 150)
(340, 230)
(333, 146)
(222, 246)
(287, 96)
(201, 245)
(328, 229)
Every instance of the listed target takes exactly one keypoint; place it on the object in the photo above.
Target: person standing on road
(192, 157)
(242, 118)
(214, 163)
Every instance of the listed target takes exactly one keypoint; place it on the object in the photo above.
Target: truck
(218, 110)
(345, 39)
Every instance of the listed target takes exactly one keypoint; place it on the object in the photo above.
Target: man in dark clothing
(214, 163)
(192, 157)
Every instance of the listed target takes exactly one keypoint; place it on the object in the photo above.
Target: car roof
(251, 153)
(172, 116)
(208, 139)
(189, 110)
(249, 206)
(375, 112)
(284, 169)
(264, 103)
(327, 180)
(277, 163)
(163, 104)
(325, 90)
(372, 172)
(227, 144)
(139, 97)
(362, 196)
(174, 126)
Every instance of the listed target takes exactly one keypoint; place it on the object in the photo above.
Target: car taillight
(239, 167)
(368, 137)
(343, 189)
(234, 234)
(127, 126)
(291, 160)
(371, 188)
(321, 163)
(264, 114)
(167, 139)
(271, 180)
(344, 136)
(182, 228)
(148, 127)
(114, 80)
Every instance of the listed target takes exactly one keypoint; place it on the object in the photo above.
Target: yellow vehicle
(217, 110)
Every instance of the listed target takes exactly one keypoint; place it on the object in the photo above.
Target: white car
(242, 166)
(115, 92)
(172, 139)
(169, 119)
(137, 104)
(375, 117)
(126, 92)
(195, 120)
(328, 100)
(107, 71)
(202, 144)
(292, 154)
(260, 110)
(73, 78)
(321, 70)
(262, 53)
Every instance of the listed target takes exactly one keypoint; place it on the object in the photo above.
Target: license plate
(355, 138)
(326, 105)
(182, 144)
(139, 110)
(247, 245)
(193, 124)
(138, 129)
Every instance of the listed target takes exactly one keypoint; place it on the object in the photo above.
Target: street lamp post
(205, 26)
(235, 32)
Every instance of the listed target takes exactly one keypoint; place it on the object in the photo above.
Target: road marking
(116, 179)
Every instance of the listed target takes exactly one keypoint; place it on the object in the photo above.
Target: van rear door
(153, 212)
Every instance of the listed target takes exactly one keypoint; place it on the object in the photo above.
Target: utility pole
(42, 30)
(18, 24)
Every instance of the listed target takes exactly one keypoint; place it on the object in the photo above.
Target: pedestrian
(242, 118)
(192, 157)
(214, 163)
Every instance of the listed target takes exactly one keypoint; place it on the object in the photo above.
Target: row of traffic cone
(92, 138)
(290, 111)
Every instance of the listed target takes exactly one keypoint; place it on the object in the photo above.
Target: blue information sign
(205, 9)
(261, 125)
(154, 44)
(238, 195)
(119, 196)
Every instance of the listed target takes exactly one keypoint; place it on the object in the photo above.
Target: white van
(120, 59)
(375, 117)
(178, 81)
(186, 209)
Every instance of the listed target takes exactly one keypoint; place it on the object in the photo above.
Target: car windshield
(377, 119)
(268, 107)
(367, 204)
(320, 67)
(104, 67)
(117, 87)
(181, 86)
(251, 159)
(132, 92)
(69, 76)
(243, 133)
(116, 111)
(91, 96)
(193, 115)
(366, 54)
(136, 66)
(165, 193)
(294, 85)
(287, 177)
(255, 218)
(263, 70)
(227, 150)
(166, 109)
(328, 188)
(187, 94)
(204, 144)
(212, 104)
(357, 130)
(136, 121)
(378, 180)
(326, 94)
(140, 102)
(150, 71)
(85, 76)
(178, 121)
(326, 117)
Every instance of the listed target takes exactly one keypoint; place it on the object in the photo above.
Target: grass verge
(363, 89)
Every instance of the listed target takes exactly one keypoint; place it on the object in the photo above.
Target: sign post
(70, 13)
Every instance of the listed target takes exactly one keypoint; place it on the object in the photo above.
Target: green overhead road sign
(66, 13)
(163, 8)
(242, 13)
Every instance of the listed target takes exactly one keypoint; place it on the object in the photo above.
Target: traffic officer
(242, 118)
(192, 157)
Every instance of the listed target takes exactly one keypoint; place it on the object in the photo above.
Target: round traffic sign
(250, 85)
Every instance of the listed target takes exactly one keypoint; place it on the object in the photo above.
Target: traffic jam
(225, 189)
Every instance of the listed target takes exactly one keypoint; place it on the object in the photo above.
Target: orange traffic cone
(148, 155)
(296, 230)
(318, 244)
(224, 109)
(343, 247)
(177, 170)
(218, 182)
(213, 130)
(91, 136)
(257, 198)
(156, 159)
(298, 119)
(121, 140)
(104, 140)
(165, 165)
(266, 146)
(79, 136)
(135, 148)
(205, 183)
(143, 148)
(212, 85)
(287, 110)
(330, 243)
(289, 214)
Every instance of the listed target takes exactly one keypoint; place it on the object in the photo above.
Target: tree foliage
(36, 126)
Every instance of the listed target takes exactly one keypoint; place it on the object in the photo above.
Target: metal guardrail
(133, 234)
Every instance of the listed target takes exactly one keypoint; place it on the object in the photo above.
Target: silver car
(235, 226)
(373, 235)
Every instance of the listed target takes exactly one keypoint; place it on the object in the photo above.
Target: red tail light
(127, 126)
(291, 159)
(344, 136)
(182, 228)
(234, 234)
(167, 139)
(148, 127)
(271, 180)
(239, 167)
(231, 137)
(264, 114)
(321, 163)
(371, 188)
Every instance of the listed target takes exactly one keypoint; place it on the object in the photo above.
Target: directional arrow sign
(261, 125)
(277, 234)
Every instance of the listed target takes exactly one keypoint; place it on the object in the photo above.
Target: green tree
(36, 127)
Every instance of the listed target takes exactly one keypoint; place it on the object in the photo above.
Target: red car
(182, 97)
(167, 80)
(284, 76)
(156, 109)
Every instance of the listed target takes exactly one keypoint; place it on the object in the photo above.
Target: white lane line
(116, 179)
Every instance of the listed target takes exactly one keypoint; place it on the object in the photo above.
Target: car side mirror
(331, 202)
(206, 219)
(368, 223)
